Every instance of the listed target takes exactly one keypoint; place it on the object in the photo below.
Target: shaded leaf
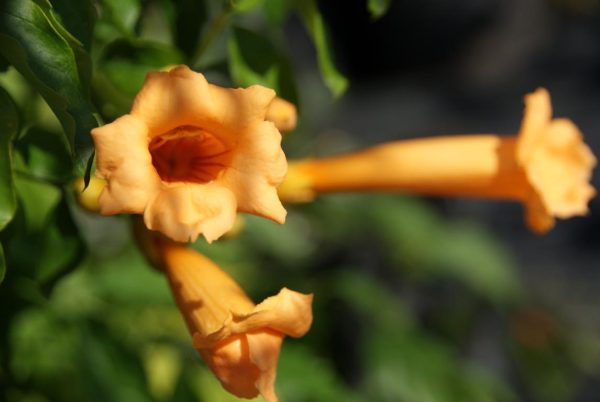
(315, 26)
(2, 264)
(123, 68)
(416, 366)
(189, 19)
(45, 155)
(37, 200)
(55, 62)
(41, 347)
(123, 14)
(305, 376)
(277, 10)
(112, 372)
(254, 60)
(428, 247)
(9, 125)
(62, 248)
(78, 17)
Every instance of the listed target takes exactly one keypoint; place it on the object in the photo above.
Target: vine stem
(215, 28)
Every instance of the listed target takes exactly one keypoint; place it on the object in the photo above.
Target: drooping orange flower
(190, 155)
(238, 340)
(546, 166)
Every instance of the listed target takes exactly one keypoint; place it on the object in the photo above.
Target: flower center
(188, 154)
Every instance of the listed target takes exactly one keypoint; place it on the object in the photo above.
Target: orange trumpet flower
(238, 340)
(191, 154)
(546, 166)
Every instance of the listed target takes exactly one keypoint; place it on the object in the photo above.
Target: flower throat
(188, 154)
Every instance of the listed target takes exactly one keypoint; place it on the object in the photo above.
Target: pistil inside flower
(189, 154)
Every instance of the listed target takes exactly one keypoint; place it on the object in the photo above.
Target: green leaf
(78, 17)
(2, 264)
(277, 11)
(189, 19)
(9, 125)
(55, 63)
(473, 256)
(112, 371)
(37, 200)
(315, 26)
(123, 68)
(303, 375)
(123, 14)
(254, 60)
(62, 250)
(462, 252)
(378, 8)
(245, 6)
(45, 155)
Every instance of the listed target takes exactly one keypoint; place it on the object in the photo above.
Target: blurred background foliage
(417, 300)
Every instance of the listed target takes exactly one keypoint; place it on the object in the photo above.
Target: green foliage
(55, 63)
(378, 8)
(123, 67)
(254, 60)
(2, 264)
(313, 21)
(400, 290)
(44, 155)
(9, 125)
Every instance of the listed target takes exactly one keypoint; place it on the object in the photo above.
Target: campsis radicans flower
(190, 155)
(238, 340)
(546, 166)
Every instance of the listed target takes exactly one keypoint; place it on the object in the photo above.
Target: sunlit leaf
(378, 8)
(9, 125)
(315, 26)
(254, 60)
(245, 6)
(33, 40)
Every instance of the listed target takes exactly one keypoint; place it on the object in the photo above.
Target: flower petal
(240, 108)
(264, 347)
(124, 162)
(288, 312)
(538, 112)
(246, 364)
(176, 98)
(560, 170)
(256, 171)
(283, 114)
(185, 210)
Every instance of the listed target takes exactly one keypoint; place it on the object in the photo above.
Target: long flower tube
(238, 340)
(546, 166)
